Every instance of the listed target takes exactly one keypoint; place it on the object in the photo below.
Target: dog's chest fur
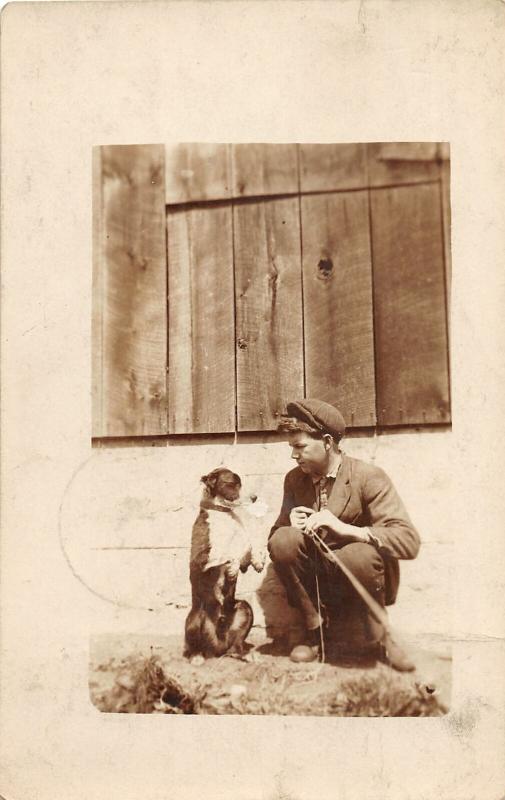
(227, 538)
(219, 535)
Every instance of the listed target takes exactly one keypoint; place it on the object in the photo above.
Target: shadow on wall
(281, 621)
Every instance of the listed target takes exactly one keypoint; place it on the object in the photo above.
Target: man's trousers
(298, 561)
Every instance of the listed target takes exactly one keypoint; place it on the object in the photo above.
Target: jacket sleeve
(387, 518)
(288, 503)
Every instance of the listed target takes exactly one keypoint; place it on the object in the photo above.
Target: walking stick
(365, 595)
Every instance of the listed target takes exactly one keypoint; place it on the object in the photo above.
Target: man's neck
(333, 463)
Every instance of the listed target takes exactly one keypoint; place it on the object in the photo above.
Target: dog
(218, 624)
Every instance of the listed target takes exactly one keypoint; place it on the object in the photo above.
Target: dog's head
(222, 483)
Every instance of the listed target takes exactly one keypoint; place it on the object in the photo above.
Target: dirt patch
(131, 675)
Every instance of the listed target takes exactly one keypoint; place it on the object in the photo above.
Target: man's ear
(328, 441)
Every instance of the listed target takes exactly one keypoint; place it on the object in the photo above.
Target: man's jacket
(364, 496)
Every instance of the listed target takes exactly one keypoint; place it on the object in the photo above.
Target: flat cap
(318, 414)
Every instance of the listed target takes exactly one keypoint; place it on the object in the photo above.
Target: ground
(132, 673)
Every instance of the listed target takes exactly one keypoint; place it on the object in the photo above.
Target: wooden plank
(97, 416)
(130, 261)
(409, 151)
(201, 320)
(396, 163)
(337, 300)
(197, 171)
(264, 169)
(446, 215)
(327, 167)
(269, 310)
(409, 306)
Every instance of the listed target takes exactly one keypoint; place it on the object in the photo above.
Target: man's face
(310, 454)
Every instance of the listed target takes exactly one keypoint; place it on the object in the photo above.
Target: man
(355, 509)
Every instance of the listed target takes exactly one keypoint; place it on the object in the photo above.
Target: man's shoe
(395, 656)
(304, 653)
(309, 649)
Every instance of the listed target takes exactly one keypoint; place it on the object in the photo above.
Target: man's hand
(325, 519)
(298, 516)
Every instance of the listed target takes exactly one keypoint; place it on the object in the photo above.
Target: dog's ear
(210, 480)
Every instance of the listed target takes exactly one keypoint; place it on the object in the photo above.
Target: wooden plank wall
(129, 269)
(338, 306)
(197, 172)
(293, 270)
(263, 169)
(409, 305)
(269, 310)
(398, 163)
(446, 216)
(201, 350)
(97, 300)
(328, 167)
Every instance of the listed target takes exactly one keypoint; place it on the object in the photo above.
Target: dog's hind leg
(202, 639)
(193, 633)
(240, 626)
(203, 635)
(214, 638)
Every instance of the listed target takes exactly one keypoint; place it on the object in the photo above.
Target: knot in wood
(325, 268)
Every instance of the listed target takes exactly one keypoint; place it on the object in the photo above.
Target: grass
(270, 685)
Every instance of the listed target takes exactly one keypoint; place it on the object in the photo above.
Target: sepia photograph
(251, 403)
(271, 426)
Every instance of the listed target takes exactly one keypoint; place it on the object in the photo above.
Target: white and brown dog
(220, 547)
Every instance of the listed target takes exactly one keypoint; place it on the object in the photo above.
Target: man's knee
(286, 544)
(365, 563)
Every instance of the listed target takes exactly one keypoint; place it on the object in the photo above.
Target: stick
(372, 604)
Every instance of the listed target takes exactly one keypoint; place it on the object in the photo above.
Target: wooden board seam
(194, 204)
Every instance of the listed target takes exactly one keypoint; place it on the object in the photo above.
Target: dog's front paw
(196, 661)
(258, 560)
